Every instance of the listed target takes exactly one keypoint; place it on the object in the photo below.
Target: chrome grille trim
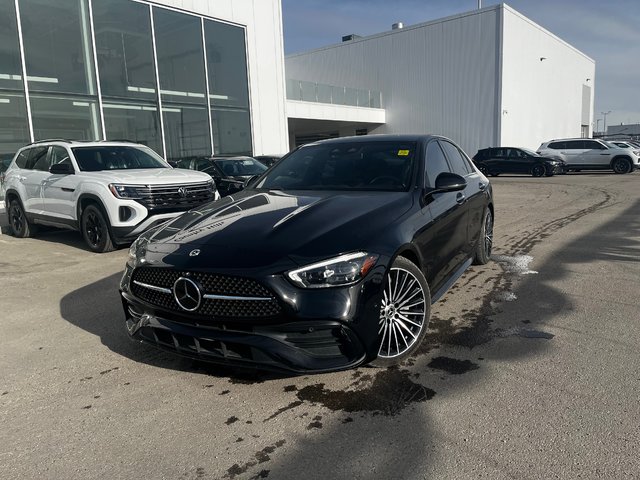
(226, 297)
(153, 287)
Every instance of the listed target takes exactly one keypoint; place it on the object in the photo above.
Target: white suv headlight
(335, 272)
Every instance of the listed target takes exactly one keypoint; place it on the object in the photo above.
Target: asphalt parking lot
(531, 368)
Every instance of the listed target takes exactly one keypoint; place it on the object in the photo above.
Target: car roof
(83, 143)
(377, 138)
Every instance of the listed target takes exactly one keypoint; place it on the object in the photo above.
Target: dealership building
(199, 78)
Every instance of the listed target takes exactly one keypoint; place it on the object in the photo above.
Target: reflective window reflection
(231, 131)
(14, 131)
(70, 117)
(124, 49)
(10, 67)
(186, 129)
(137, 122)
(57, 44)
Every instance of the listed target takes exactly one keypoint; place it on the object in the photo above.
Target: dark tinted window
(243, 167)
(593, 145)
(23, 156)
(557, 145)
(575, 145)
(42, 163)
(456, 160)
(372, 166)
(436, 163)
(36, 154)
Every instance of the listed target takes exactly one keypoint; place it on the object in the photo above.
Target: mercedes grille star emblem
(187, 294)
(182, 192)
(194, 253)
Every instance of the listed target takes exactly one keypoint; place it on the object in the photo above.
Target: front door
(59, 190)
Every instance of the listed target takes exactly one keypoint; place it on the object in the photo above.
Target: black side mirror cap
(448, 182)
(62, 169)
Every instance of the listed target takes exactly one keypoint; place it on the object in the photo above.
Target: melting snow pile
(518, 264)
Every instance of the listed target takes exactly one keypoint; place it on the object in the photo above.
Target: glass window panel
(351, 96)
(293, 89)
(180, 56)
(186, 129)
(363, 98)
(308, 91)
(57, 44)
(72, 118)
(227, 64)
(337, 95)
(10, 67)
(124, 49)
(14, 131)
(137, 122)
(324, 93)
(231, 132)
(376, 99)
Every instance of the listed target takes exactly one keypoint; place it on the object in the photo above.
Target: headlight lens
(339, 271)
(132, 257)
(124, 191)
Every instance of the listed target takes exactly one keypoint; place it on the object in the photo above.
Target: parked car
(497, 160)
(229, 173)
(623, 144)
(110, 191)
(591, 154)
(330, 260)
(268, 160)
(5, 161)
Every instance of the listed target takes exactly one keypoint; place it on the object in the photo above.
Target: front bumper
(313, 331)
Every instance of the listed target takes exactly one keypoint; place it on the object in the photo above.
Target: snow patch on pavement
(518, 264)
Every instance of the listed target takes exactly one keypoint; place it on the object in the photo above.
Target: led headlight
(124, 191)
(339, 271)
(134, 256)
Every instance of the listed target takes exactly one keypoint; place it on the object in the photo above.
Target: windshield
(620, 145)
(241, 167)
(530, 152)
(373, 166)
(116, 157)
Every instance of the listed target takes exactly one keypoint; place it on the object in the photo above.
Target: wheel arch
(623, 157)
(86, 199)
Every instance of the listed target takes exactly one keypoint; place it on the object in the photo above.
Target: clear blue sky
(607, 31)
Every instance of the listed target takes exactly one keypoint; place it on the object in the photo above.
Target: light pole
(598, 124)
(604, 128)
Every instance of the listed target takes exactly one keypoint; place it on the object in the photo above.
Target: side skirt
(452, 279)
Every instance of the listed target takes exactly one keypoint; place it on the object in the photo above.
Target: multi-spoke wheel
(404, 313)
(95, 230)
(485, 240)
(621, 165)
(538, 170)
(20, 225)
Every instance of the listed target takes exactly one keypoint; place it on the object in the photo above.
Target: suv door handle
(460, 198)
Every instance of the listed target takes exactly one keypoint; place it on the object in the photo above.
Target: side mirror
(250, 181)
(173, 164)
(449, 182)
(62, 169)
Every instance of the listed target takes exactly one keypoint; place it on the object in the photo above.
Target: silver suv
(110, 191)
(590, 154)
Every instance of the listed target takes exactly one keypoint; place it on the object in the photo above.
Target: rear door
(32, 176)
(573, 152)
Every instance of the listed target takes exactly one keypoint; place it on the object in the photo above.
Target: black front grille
(261, 303)
(175, 196)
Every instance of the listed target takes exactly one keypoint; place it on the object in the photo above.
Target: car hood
(254, 228)
(148, 176)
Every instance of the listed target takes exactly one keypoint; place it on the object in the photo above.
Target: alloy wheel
(17, 218)
(402, 314)
(488, 234)
(93, 228)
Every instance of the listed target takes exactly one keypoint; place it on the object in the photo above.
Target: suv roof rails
(50, 140)
(119, 140)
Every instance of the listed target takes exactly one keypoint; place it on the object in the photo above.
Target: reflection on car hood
(255, 228)
(148, 176)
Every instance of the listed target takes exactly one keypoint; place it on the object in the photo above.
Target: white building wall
(265, 57)
(438, 77)
(541, 99)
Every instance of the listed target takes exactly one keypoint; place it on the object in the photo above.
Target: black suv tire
(20, 226)
(95, 230)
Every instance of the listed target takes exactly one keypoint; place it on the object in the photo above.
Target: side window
(457, 162)
(58, 155)
(37, 156)
(557, 145)
(436, 163)
(23, 157)
(42, 163)
(575, 145)
(592, 145)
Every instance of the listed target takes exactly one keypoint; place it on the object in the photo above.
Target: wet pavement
(529, 370)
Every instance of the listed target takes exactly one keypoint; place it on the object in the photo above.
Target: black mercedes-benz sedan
(494, 161)
(329, 260)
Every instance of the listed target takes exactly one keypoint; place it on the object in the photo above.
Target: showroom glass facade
(122, 70)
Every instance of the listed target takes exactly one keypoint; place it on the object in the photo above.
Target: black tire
(404, 313)
(485, 241)
(538, 171)
(621, 165)
(95, 230)
(20, 225)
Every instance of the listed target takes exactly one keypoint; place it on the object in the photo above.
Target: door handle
(482, 186)
(460, 198)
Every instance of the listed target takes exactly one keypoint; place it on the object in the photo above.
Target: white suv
(110, 191)
(590, 154)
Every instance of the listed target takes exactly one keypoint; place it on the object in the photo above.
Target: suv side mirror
(62, 169)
